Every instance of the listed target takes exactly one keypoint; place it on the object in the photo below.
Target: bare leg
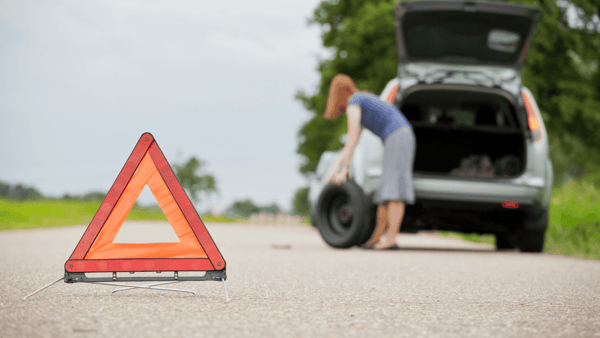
(381, 224)
(395, 212)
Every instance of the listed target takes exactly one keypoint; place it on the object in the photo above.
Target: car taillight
(510, 205)
(534, 125)
(392, 94)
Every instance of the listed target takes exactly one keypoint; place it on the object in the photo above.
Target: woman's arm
(339, 172)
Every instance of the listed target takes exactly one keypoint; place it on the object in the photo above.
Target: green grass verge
(44, 213)
(574, 228)
(475, 238)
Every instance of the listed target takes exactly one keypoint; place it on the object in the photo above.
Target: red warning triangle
(195, 251)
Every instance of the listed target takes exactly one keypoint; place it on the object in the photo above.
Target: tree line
(18, 191)
(193, 178)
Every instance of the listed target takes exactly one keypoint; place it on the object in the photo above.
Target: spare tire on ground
(343, 215)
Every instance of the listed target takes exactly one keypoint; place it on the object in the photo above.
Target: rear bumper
(478, 190)
(475, 205)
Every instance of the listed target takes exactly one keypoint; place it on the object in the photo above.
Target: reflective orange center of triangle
(188, 246)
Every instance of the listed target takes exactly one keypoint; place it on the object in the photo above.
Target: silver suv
(482, 163)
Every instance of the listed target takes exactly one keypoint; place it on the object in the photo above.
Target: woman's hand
(337, 175)
(341, 176)
(334, 170)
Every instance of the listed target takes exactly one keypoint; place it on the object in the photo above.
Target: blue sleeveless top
(378, 116)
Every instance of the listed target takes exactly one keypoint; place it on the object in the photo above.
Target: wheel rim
(340, 214)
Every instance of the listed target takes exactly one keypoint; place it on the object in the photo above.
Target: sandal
(392, 247)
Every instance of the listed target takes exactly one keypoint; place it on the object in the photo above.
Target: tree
(561, 69)
(4, 189)
(301, 204)
(244, 208)
(190, 175)
(271, 209)
(572, 160)
(94, 196)
(18, 192)
(361, 36)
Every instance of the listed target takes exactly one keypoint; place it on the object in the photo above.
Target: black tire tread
(359, 223)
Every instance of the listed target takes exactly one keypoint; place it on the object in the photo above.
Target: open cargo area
(465, 133)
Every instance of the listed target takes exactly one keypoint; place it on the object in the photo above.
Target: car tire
(505, 241)
(342, 214)
(531, 241)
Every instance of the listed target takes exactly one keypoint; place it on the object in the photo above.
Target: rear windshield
(483, 38)
(459, 108)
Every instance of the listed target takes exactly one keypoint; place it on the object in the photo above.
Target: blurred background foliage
(247, 207)
(190, 174)
(18, 191)
(194, 180)
(561, 70)
(301, 204)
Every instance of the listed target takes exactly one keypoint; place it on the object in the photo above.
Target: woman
(365, 110)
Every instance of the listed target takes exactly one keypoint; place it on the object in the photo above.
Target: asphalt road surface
(284, 281)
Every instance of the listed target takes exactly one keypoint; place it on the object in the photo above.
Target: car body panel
(427, 73)
(438, 31)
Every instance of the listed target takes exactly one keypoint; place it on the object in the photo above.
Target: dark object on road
(281, 246)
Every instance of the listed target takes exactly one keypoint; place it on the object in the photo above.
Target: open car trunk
(464, 32)
(465, 133)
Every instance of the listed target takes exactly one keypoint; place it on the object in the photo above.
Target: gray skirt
(396, 181)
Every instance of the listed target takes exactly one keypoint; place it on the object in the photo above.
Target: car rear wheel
(342, 215)
(533, 240)
(505, 241)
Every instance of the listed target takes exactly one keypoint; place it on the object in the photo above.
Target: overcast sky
(81, 81)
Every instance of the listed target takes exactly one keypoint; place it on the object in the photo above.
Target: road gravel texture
(284, 281)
